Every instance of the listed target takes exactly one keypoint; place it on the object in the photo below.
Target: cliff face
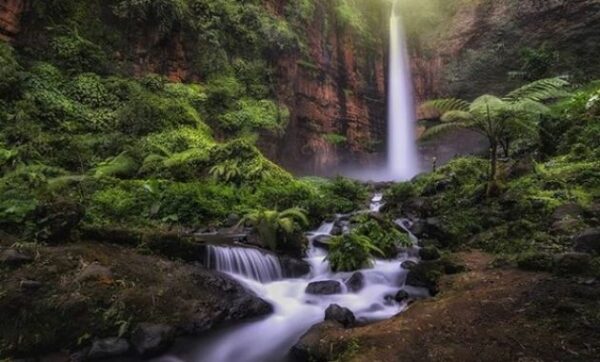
(480, 50)
(334, 87)
(337, 88)
(10, 16)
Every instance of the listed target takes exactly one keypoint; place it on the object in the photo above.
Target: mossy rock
(535, 262)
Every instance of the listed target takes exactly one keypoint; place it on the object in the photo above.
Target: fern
(446, 105)
(539, 91)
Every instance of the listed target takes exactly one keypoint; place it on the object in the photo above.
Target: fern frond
(447, 104)
(540, 90)
(456, 116)
(442, 128)
(295, 213)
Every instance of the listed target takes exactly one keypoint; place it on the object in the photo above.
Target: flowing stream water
(270, 339)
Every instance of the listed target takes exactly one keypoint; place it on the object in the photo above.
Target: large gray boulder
(356, 282)
(339, 314)
(108, 348)
(325, 287)
(588, 241)
(150, 340)
(313, 346)
(14, 258)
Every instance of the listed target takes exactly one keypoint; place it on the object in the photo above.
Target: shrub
(382, 234)
(77, 54)
(351, 252)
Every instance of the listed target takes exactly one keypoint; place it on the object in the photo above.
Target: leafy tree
(500, 120)
(276, 227)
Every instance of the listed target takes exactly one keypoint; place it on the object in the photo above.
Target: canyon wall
(335, 89)
(480, 49)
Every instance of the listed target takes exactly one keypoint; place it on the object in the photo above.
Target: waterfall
(402, 160)
(246, 262)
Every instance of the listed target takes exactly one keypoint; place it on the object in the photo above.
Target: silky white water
(402, 162)
(270, 339)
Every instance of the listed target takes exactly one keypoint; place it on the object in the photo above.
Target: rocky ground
(489, 313)
(119, 300)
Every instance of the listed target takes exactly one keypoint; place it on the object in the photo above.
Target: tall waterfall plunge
(402, 162)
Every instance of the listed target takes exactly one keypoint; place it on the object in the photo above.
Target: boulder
(427, 273)
(108, 348)
(401, 296)
(293, 267)
(356, 282)
(429, 253)
(569, 209)
(572, 263)
(336, 230)
(324, 287)
(30, 285)
(14, 258)
(313, 346)
(408, 264)
(417, 228)
(150, 340)
(322, 241)
(95, 272)
(339, 314)
(588, 241)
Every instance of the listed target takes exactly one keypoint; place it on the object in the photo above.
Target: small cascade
(247, 262)
(376, 203)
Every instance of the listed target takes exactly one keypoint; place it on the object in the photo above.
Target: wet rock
(108, 348)
(95, 272)
(427, 273)
(30, 285)
(293, 267)
(401, 296)
(572, 263)
(408, 264)
(14, 258)
(588, 241)
(356, 282)
(336, 230)
(150, 340)
(322, 241)
(417, 228)
(429, 253)
(339, 314)
(249, 306)
(324, 287)
(313, 345)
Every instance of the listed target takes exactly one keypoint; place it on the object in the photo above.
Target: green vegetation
(500, 120)
(277, 229)
(351, 252)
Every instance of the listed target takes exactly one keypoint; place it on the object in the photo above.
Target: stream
(270, 339)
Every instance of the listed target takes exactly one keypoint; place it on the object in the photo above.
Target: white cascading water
(402, 163)
(270, 339)
(244, 261)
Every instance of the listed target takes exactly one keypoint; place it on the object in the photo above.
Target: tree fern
(446, 105)
(539, 91)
